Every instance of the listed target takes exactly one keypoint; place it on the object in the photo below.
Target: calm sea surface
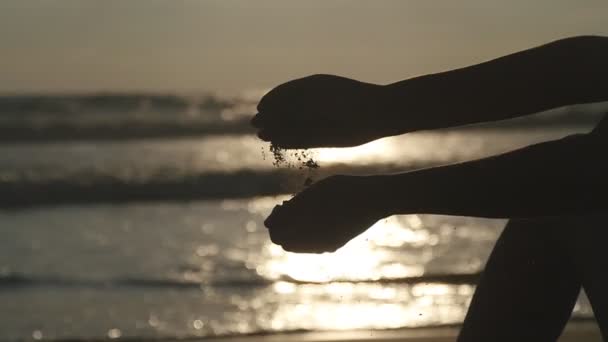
(169, 267)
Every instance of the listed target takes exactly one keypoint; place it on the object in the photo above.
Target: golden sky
(234, 45)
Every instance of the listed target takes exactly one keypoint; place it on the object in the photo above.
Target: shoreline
(576, 330)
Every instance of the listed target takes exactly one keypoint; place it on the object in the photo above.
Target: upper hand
(320, 111)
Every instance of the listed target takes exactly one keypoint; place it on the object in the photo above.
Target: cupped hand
(321, 111)
(325, 216)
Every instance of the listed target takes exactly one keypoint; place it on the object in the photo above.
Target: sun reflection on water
(360, 259)
(372, 151)
(364, 284)
(340, 306)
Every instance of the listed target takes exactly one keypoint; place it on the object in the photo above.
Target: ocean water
(159, 234)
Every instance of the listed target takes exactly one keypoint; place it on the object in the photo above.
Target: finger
(258, 120)
(264, 119)
(313, 249)
(280, 135)
(271, 220)
(279, 218)
(307, 134)
(280, 138)
(305, 241)
(274, 238)
(287, 132)
(292, 142)
(302, 248)
(264, 135)
(290, 139)
(284, 236)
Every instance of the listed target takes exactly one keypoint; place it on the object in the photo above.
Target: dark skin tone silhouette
(564, 178)
(554, 178)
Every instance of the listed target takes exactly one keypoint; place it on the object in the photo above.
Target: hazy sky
(225, 45)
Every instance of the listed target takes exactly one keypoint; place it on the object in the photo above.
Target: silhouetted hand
(321, 111)
(325, 216)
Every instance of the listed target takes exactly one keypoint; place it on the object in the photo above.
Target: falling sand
(302, 159)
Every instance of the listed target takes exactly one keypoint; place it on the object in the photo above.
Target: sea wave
(14, 132)
(13, 281)
(138, 115)
(114, 190)
(104, 103)
(121, 116)
(99, 188)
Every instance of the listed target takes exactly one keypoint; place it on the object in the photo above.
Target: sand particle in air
(298, 158)
(301, 159)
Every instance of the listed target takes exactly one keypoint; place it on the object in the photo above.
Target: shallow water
(206, 268)
(153, 160)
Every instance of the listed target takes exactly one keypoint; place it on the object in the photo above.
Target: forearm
(563, 177)
(565, 72)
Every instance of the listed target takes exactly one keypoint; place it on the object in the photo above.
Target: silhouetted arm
(564, 72)
(558, 178)
(562, 177)
(333, 111)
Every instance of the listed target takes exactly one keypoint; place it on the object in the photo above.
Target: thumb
(274, 217)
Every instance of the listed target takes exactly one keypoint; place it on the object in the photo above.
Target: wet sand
(577, 331)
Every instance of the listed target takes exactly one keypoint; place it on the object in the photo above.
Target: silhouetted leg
(528, 288)
(587, 237)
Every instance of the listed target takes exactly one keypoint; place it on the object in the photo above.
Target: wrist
(402, 106)
(389, 109)
(379, 195)
(399, 194)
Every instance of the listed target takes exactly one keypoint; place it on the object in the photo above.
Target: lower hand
(325, 216)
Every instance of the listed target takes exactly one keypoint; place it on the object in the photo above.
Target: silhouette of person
(555, 193)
